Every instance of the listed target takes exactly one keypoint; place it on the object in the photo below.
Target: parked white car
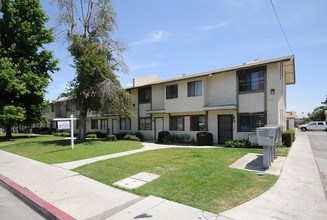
(314, 126)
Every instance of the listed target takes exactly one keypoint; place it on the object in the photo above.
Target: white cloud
(212, 27)
(153, 37)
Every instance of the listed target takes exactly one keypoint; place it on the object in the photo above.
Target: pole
(72, 130)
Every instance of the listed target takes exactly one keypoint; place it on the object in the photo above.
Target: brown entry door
(225, 128)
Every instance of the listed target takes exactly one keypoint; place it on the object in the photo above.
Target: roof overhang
(287, 61)
(289, 71)
(220, 107)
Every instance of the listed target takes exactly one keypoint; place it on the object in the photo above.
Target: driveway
(318, 142)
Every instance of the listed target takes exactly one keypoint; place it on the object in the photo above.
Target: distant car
(314, 126)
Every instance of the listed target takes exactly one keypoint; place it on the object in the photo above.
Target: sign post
(63, 123)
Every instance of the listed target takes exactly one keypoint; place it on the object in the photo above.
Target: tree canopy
(318, 114)
(25, 65)
(97, 59)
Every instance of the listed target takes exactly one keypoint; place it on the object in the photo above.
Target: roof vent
(254, 61)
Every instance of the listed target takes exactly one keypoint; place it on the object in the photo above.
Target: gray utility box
(268, 137)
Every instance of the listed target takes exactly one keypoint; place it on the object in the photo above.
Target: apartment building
(230, 103)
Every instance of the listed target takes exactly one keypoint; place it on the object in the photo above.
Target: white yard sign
(63, 123)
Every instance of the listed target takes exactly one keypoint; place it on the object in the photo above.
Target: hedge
(62, 134)
(98, 134)
(204, 138)
(161, 135)
(131, 137)
(288, 137)
(91, 136)
(112, 137)
(240, 144)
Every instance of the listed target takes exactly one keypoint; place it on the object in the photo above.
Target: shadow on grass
(66, 142)
(4, 139)
(61, 143)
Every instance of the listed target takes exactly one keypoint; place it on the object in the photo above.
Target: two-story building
(230, 103)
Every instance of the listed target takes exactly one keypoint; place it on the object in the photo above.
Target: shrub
(288, 137)
(120, 135)
(139, 135)
(62, 134)
(99, 134)
(171, 139)
(161, 135)
(91, 136)
(204, 138)
(131, 137)
(112, 137)
(240, 144)
(47, 130)
(36, 130)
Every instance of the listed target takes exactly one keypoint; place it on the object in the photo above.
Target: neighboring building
(290, 120)
(229, 103)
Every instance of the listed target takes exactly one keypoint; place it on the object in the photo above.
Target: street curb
(34, 201)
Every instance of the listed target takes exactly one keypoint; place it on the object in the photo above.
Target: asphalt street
(13, 208)
(318, 142)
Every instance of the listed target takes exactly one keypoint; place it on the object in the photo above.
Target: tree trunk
(82, 126)
(8, 131)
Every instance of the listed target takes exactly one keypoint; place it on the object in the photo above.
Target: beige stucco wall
(221, 89)
(251, 102)
(276, 103)
(184, 103)
(158, 97)
(291, 123)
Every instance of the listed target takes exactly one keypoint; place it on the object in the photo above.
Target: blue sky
(170, 38)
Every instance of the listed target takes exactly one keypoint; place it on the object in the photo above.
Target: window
(145, 124)
(52, 108)
(198, 123)
(77, 124)
(53, 124)
(94, 124)
(104, 124)
(320, 123)
(145, 95)
(125, 124)
(249, 122)
(68, 107)
(172, 92)
(251, 80)
(177, 123)
(194, 88)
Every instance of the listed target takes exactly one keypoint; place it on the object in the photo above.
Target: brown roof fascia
(240, 67)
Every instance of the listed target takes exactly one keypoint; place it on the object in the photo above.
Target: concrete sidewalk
(298, 193)
(84, 198)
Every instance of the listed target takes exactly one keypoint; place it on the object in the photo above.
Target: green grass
(196, 177)
(282, 151)
(51, 149)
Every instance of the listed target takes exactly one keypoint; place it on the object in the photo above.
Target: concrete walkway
(84, 198)
(147, 147)
(298, 193)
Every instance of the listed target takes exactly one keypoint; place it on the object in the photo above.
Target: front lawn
(196, 177)
(51, 149)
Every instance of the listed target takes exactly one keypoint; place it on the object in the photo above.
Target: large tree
(318, 114)
(97, 59)
(25, 65)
